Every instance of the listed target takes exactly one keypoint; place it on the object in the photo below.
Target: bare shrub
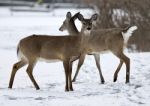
(121, 13)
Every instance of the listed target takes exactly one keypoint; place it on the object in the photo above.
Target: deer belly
(48, 60)
(101, 52)
(50, 57)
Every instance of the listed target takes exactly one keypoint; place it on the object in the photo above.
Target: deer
(69, 25)
(34, 48)
(111, 39)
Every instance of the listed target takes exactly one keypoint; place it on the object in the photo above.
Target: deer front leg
(66, 67)
(81, 60)
(70, 76)
(30, 74)
(97, 60)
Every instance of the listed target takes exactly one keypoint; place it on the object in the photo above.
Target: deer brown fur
(112, 39)
(63, 48)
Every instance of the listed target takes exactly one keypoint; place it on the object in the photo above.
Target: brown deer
(69, 25)
(114, 40)
(42, 47)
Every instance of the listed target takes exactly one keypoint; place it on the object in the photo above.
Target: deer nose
(88, 28)
(60, 29)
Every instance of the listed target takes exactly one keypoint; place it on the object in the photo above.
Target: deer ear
(68, 15)
(80, 17)
(94, 17)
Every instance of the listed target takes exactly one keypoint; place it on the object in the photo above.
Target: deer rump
(110, 39)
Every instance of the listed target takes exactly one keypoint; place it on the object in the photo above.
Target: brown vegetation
(121, 13)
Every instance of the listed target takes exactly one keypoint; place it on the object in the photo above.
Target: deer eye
(84, 23)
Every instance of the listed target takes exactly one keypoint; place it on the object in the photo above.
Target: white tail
(126, 35)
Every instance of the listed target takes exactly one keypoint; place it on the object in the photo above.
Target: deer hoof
(127, 82)
(66, 90)
(37, 88)
(71, 89)
(115, 79)
(10, 87)
(73, 80)
(102, 82)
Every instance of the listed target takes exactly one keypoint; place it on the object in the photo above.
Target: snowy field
(88, 91)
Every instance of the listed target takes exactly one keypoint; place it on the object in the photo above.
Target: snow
(88, 91)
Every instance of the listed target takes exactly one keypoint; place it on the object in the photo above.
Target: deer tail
(127, 33)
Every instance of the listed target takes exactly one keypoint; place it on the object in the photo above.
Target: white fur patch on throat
(87, 32)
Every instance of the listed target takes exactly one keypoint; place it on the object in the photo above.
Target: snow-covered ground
(88, 91)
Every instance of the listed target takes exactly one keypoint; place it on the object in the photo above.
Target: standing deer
(42, 47)
(114, 40)
(69, 25)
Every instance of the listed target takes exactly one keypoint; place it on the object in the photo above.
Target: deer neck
(73, 31)
(72, 28)
(85, 35)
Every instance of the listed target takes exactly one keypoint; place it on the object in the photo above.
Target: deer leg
(70, 76)
(125, 59)
(16, 67)
(81, 60)
(97, 60)
(66, 67)
(30, 74)
(117, 70)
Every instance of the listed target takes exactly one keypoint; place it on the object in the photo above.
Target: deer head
(87, 23)
(69, 24)
(65, 22)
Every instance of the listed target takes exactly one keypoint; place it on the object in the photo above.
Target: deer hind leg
(30, 74)
(16, 67)
(125, 59)
(81, 60)
(97, 60)
(117, 70)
